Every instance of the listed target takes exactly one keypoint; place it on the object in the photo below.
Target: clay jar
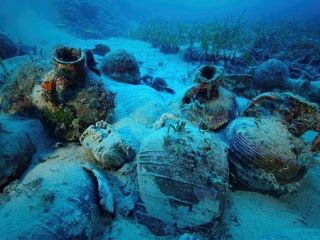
(70, 63)
(210, 78)
(265, 156)
(207, 104)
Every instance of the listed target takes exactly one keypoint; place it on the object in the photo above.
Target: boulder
(58, 199)
(101, 49)
(15, 93)
(270, 75)
(121, 66)
(91, 19)
(16, 151)
(8, 48)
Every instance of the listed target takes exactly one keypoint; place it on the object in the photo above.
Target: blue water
(27, 19)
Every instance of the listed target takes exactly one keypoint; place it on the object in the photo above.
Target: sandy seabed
(249, 215)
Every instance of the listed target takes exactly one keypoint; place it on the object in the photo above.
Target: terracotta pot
(70, 63)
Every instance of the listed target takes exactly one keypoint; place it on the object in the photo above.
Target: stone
(101, 49)
(56, 199)
(110, 148)
(91, 20)
(8, 48)
(121, 66)
(15, 93)
(270, 75)
(16, 151)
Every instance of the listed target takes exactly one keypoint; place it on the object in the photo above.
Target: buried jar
(207, 104)
(70, 69)
(182, 178)
(267, 151)
(265, 157)
(211, 77)
(70, 63)
(69, 72)
(71, 97)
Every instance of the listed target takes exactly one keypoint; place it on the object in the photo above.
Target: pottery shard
(182, 180)
(104, 190)
(109, 147)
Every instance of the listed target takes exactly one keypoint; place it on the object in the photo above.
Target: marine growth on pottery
(182, 177)
(208, 105)
(70, 97)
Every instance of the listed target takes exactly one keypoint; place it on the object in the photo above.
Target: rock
(101, 49)
(121, 66)
(314, 92)
(91, 20)
(161, 85)
(157, 83)
(182, 177)
(8, 48)
(56, 200)
(16, 151)
(192, 54)
(15, 94)
(91, 62)
(265, 156)
(70, 98)
(169, 48)
(316, 144)
(271, 75)
(111, 149)
(147, 79)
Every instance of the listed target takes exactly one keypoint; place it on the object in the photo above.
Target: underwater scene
(159, 119)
